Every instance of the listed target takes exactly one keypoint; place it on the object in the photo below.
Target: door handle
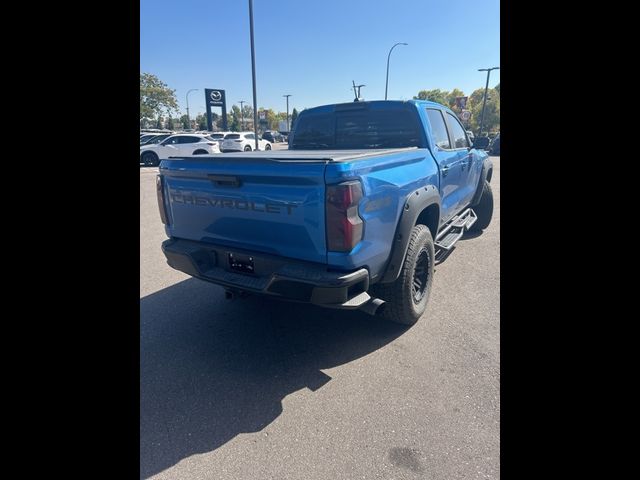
(445, 170)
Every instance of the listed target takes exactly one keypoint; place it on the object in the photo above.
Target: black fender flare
(414, 204)
(486, 166)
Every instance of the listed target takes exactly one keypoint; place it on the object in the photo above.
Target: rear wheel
(247, 148)
(407, 297)
(267, 147)
(150, 159)
(200, 152)
(484, 209)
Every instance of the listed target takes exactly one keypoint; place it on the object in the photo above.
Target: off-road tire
(484, 209)
(401, 303)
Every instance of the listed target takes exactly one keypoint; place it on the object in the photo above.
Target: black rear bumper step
(276, 276)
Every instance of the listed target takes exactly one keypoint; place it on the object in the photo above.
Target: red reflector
(344, 225)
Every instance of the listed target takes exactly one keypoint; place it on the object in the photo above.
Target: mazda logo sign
(216, 96)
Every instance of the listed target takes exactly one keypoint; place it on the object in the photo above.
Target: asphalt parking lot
(255, 388)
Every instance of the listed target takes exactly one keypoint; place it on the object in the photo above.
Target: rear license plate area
(240, 263)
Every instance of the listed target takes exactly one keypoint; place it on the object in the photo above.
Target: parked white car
(180, 145)
(243, 142)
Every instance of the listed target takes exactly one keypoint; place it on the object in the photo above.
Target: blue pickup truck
(351, 216)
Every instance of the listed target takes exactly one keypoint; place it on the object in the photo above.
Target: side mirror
(481, 143)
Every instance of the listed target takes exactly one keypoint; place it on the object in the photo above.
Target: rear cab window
(354, 127)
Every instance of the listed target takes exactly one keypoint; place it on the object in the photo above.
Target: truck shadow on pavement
(211, 368)
(442, 255)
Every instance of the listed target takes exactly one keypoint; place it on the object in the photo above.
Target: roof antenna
(357, 94)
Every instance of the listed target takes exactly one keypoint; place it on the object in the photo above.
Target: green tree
(234, 120)
(492, 110)
(451, 99)
(184, 121)
(155, 96)
(271, 120)
(216, 121)
(436, 95)
(159, 122)
(294, 117)
(169, 123)
(201, 122)
(280, 117)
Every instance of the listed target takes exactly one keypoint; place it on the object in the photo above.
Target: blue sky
(314, 49)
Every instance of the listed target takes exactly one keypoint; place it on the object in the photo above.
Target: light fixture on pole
(484, 101)
(388, 56)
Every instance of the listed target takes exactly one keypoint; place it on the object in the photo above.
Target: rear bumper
(275, 276)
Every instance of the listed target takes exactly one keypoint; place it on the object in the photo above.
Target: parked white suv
(219, 137)
(180, 145)
(243, 142)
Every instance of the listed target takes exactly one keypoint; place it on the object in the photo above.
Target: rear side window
(250, 136)
(189, 139)
(438, 128)
(458, 134)
(232, 136)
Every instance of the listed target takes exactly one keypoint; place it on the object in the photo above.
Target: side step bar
(455, 228)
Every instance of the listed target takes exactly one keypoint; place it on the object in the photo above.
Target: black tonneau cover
(310, 155)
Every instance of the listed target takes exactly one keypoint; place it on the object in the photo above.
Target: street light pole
(241, 102)
(484, 100)
(288, 128)
(188, 117)
(253, 72)
(388, 56)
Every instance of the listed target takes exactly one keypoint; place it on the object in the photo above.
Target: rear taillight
(160, 193)
(210, 143)
(344, 225)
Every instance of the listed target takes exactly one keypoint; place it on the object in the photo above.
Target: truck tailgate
(248, 202)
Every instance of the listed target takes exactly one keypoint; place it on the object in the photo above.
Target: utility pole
(484, 100)
(188, 117)
(387, 84)
(288, 127)
(241, 102)
(253, 72)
